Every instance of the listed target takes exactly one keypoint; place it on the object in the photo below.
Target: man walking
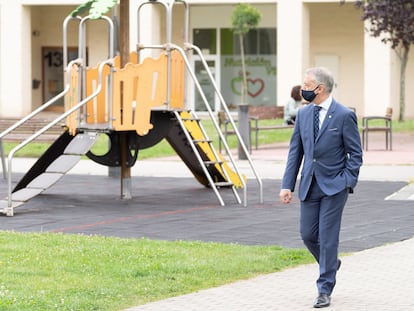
(326, 138)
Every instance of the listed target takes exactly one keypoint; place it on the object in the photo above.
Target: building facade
(292, 35)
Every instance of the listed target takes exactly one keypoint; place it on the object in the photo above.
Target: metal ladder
(213, 160)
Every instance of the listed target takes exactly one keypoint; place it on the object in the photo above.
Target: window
(206, 40)
(257, 41)
(260, 59)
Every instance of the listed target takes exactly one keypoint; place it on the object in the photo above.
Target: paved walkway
(381, 212)
(376, 279)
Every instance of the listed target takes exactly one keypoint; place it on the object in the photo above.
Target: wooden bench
(227, 129)
(256, 114)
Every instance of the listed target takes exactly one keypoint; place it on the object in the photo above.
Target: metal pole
(244, 130)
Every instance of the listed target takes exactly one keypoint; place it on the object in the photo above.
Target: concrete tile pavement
(377, 279)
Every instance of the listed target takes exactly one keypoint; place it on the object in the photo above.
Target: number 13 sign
(52, 60)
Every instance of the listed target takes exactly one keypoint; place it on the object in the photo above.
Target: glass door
(206, 40)
(52, 71)
(206, 85)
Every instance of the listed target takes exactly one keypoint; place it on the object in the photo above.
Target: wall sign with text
(261, 79)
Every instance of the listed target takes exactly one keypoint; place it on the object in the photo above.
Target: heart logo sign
(254, 86)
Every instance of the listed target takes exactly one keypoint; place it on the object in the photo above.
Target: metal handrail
(140, 6)
(82, 54)
(109, 62)
(168, 6)
(210, 112)
(42, 107)
(233, 124)
(169, 40)
(65, 37)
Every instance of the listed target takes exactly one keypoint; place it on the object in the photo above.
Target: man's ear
(319, 88)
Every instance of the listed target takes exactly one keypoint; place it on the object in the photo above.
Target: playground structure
(136, 106)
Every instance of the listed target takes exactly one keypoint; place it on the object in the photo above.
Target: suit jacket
(334, 158)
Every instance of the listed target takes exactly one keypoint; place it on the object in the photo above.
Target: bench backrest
(257, 112)
(266, 112)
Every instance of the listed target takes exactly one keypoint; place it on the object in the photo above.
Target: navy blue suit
(330, 169)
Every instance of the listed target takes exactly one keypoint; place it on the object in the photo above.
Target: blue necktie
(316, 121)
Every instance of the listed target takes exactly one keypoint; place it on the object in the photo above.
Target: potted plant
(244, 18)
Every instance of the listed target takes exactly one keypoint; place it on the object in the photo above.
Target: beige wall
(50, 34)
(337, 30)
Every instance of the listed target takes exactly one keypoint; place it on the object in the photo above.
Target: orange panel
(71, 99)
(177, 81)
(117, 62)
(97, 108)
(138, 88)
(133, 57)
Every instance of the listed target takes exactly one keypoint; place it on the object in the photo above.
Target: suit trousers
(320, 224)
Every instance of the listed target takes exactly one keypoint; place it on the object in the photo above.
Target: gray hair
(322, 76)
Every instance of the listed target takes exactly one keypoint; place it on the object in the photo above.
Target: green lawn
(45, 271)
(164, 149)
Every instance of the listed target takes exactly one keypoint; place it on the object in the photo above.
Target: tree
(96, 9)
(393, 22)
(244, 18)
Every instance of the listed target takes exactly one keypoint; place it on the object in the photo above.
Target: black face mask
(309, 95)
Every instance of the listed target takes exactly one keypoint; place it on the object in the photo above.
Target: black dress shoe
(322, 301)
